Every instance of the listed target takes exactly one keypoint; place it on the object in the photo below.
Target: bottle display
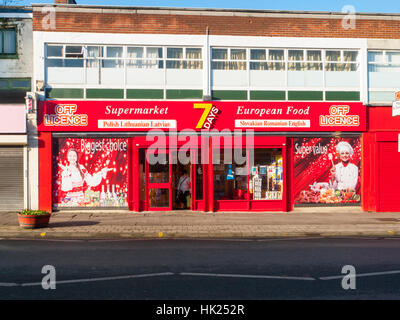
(108, 196)
(266, 181)
(114, 197)
(102, 197)
(103, 168)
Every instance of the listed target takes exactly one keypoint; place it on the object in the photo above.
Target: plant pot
(33, 221)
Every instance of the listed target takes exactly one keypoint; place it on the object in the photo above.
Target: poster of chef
(327, 170)
(90, 172)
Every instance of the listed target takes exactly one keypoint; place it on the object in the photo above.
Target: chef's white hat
(344, 146)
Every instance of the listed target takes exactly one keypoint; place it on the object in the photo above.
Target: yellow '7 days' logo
(207, 107)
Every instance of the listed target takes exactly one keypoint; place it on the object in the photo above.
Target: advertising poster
(90, 172)
(327, 170)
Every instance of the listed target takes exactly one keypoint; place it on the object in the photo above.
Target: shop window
(327, 170)
(158, 198)
(8, 41)
(230, 177)
(87, 173)
(159, 173)
(266, 175)
(199, 181)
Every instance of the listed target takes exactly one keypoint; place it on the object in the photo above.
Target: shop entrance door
(159, 178)
(195, 169)
(181, 166)
(197, 173)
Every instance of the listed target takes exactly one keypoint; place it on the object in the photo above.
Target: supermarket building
(263, 110)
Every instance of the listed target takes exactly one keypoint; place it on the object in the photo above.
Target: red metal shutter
(389, 176)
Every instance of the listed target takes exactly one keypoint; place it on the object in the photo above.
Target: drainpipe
(206, 69)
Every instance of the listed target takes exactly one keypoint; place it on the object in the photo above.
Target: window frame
(342, 61)
(267, 60)
(13, 55)
(183, 61)
(125, 61)
(10, 82)
(229, 61)
(385, 63)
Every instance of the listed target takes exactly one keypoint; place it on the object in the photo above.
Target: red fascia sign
(199, 116)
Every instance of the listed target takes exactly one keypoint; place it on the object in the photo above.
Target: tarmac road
(200, 269)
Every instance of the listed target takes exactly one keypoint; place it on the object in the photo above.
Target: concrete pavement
(303, 222)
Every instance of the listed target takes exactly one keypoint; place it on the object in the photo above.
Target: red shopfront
(381, 161)
(239, 156)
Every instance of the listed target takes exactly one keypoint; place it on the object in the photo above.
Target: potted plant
(30, 219)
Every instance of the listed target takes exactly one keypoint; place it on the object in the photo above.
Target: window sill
(8, 56)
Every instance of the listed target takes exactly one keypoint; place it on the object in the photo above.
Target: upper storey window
(284, 59)
(294, 69)
(118, 56)
(8, 42)
(229, 59)
(65, 56)
(184, 58)
(144, 58)
(341, 60)
(383, 75)
(264, 59)
(123, 66)
(305, 60)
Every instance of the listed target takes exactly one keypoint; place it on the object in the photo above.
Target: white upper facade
(211, 63)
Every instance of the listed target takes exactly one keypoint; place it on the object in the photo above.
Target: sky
(382, 6)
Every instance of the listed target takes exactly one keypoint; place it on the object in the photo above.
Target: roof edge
(214, 10)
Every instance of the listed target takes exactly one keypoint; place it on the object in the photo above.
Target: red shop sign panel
(191, 115)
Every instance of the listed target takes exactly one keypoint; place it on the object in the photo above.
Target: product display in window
(90, 172)
(266, 179)
(230, 179)
(327, 170)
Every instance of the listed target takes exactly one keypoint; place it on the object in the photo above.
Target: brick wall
(218, 25)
